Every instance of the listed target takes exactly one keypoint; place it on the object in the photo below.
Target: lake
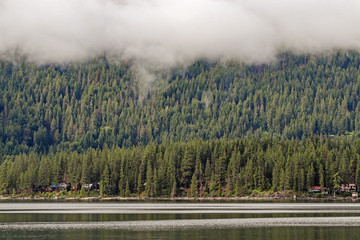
(179, 220)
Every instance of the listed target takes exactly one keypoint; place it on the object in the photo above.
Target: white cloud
(167, 32)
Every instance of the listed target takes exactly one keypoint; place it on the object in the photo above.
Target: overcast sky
(175, 31)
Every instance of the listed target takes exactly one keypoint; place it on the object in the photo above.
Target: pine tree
(193, 186)
(187, 165)
(310, 177)
(105, 181)
(149, 181)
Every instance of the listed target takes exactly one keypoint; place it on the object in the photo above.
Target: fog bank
(168, 32)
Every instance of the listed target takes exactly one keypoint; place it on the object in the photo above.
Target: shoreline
(244, 198)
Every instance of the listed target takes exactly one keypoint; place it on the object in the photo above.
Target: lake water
(179, 220)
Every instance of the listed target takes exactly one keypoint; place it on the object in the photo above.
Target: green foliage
(232, 168)
(49, 108)
(212, 129)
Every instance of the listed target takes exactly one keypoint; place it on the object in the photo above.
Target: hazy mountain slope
(47, 108)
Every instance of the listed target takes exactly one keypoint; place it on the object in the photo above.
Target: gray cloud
(167, 32)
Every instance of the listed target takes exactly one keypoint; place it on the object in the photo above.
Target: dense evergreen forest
(46, 109)
(197, 168)
(211, 129)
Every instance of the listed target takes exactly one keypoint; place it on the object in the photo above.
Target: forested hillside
(80, 106)
(197, 168)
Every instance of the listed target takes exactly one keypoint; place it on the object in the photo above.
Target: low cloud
(168, 32)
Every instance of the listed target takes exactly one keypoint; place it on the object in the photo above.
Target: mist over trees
(179, 98)
(212, 129)
(169, 32)
(50, 108)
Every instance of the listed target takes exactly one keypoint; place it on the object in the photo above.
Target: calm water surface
(178, 220)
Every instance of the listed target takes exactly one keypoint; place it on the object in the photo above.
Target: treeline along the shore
(47, 109)
(196, 168)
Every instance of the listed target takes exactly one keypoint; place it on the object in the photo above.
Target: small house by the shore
(54, 187)
(63, 186)
(91, 186)
(318, 189)
(348, 187)
(355, 195)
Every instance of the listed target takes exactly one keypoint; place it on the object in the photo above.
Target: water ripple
(186, 224)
